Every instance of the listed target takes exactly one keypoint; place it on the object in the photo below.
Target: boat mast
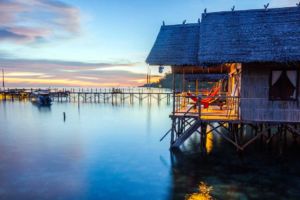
(3, 83)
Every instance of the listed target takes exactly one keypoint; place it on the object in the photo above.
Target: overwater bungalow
(252, 57)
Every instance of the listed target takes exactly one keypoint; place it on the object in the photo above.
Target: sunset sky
(92, 43)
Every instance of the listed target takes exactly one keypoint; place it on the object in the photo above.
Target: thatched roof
(271, 35)
(176, 45)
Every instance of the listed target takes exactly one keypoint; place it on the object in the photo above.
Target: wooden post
(3, 81)
(178, 127)
(199, 108)
(280, 140)
(140, 97)
(197, 87)
(236, 134)
(174, 93)
(173, 130)
(203, 138)
(284, 137)
(173, 117)
(183, 82)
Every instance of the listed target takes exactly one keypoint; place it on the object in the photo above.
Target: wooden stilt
(203, 138)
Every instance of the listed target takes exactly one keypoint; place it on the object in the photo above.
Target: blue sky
(92, 43)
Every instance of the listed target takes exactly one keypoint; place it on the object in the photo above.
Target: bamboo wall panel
(255, 103)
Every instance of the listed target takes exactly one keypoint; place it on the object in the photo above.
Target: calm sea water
(113, 152)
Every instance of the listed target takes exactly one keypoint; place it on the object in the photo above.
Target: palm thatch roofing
(265, 35)
(262, 35)
(176, 45)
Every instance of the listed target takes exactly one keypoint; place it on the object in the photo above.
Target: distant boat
(116, 91)
(41, 97)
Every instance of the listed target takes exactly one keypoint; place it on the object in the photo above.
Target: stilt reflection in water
(209, 143)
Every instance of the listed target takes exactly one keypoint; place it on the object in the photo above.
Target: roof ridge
(188, 24)
(252, 10)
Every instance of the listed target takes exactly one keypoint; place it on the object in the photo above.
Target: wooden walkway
(113, 96)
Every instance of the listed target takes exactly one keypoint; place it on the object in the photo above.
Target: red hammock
(208, 100)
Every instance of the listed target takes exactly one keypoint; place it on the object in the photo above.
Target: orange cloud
(56, 73)
(58, 82)
(23, 74)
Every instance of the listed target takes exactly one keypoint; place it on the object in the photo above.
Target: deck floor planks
(212, 113)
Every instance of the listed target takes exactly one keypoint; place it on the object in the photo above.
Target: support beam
(184, 136)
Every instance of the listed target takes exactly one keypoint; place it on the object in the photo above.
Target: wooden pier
(113, 96)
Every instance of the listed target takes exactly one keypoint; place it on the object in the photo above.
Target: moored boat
(41, 97)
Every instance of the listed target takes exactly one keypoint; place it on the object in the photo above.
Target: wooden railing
(221, 106)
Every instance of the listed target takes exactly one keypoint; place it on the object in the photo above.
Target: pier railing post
(174, 94)
(199, 107)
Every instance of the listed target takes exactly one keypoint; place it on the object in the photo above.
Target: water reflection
(204, 193)
(193, 144)
(149, 119)
(102, 153)
(260, 173)
(42, 108)
(209, 143)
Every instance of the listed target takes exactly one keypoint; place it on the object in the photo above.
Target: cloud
(58, 73)
(8, 35)
(25, 21)
(22, 35)
(23, 74)
(66, 15)
(63, 66)
(9, 11)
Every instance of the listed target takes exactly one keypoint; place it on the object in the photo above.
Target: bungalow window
(283, 85)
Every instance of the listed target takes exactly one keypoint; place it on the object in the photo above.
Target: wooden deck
(213, 113)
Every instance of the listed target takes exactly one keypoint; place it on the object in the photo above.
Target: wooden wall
(255, 103)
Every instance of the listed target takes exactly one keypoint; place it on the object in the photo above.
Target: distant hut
(258, 50)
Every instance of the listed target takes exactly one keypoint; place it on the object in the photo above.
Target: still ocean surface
(113, 152)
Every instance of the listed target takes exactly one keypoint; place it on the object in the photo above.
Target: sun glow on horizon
(16, 79)
(60, 82)
(69, 74)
